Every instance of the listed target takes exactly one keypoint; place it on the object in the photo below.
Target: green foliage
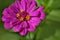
(49, 29)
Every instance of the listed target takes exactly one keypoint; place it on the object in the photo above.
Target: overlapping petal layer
(26, 9)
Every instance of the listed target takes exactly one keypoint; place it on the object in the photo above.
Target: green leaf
(48, 29)
(55, 4)
(49, 26)
(5, 35)
(55, 37)
(54, 15)
(5, 3)
(40, 2)
(30, 36)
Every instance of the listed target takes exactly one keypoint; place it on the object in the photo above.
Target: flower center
(22, 15)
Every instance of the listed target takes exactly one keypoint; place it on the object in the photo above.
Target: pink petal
(28, 1)
(23, 4)
(13, 8)
(32, 28)
(34, 22)
(17, 28)
(35, 13)
(32, 7)
(11, 12)
(6, 13)
(23, 32)
(3, 18)
(41, 8)
(24, 24)
(39, 12)
(42, 17)
(6, 19)
(8, 26)
(18, 5)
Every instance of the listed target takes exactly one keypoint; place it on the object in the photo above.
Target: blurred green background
(49, 29)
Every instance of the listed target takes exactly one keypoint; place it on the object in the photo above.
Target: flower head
(23, 16)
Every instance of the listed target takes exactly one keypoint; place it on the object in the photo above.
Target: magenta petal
(27, 1)
(13, 8)
(23, 32)
(23, 4)
(35, 21)
(32, 28)
(41, 8)
(18, 5)
(4, 18)
(17, 28)
(12, 13)
(8, 26)
(35, 13)
(32, 7)
(6, 13)
(24, 24)
(23, 8)
(42, 17)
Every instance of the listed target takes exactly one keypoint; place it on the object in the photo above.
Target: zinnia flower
(23, 16)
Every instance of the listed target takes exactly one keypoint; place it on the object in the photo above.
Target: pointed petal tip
(16, 29)
(41, 8)
(24, 32)
(7, 26)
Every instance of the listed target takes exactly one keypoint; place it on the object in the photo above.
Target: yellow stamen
(27, 17)
(21, 19)
(21, 10)
(17, 14)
